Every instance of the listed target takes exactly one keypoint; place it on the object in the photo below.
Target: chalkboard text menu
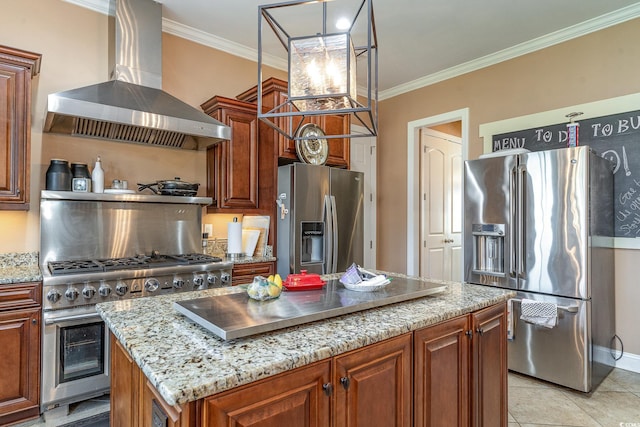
(615, 137)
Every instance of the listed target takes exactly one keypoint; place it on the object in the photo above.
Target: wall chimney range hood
(132, 107)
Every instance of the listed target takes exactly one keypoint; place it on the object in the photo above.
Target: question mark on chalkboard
(613, 156)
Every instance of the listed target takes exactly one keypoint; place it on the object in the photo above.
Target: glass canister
(58, 177)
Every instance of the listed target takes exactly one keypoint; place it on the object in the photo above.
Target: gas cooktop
(125, 263)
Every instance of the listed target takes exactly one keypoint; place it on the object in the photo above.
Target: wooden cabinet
(274, 93)
(232, 166)
(244, 273)
(373, 385)
(297, 398)
(460, 371)
(19, 352)
(489, 367)
(450, 374)
(17, 68)
(134, 400)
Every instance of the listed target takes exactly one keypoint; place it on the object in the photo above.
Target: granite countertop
(19, 268)
(185, 362)
(251, 259)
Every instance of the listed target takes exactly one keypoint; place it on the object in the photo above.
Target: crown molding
(215, 42)
(592, 25)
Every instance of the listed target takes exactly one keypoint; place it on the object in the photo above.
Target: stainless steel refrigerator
(320, 219)
(541, 223)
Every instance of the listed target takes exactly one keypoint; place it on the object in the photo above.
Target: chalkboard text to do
(615, 137)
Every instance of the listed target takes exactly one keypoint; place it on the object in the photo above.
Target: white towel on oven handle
(539, 313)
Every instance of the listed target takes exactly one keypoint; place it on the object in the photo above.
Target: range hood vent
(132, 107)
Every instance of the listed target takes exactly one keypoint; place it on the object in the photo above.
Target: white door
(363, 159)
(440, 205)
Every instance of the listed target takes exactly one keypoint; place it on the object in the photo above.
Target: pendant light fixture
(331, 70)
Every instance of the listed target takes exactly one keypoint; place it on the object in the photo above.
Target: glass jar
(58, 177)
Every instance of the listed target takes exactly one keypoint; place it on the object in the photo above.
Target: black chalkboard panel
(615, 137)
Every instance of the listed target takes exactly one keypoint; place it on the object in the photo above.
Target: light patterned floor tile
(629, 380)
(546, 406)
(518, 380)
(610, 408)
(510, 418)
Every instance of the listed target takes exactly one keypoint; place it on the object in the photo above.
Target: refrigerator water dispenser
(312, 246)
(488, 249)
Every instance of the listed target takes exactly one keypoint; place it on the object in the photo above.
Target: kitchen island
(179, 370)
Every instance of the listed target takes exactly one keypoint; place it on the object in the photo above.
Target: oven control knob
(198, 280)
(212, 279)
(121, 288)
(53, 296)
(178, 283)
(104, 290)
(225, 277)
(71, 293)
(88, 292)
(151, 284)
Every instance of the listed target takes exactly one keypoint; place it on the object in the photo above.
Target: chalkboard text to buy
(554, 136)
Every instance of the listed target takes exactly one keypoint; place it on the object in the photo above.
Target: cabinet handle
(469, 333)
(345, 382)
(18, 192)
(328, 388)
(34, 321)
(480, 331)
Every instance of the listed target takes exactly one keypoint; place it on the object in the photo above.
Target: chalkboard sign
(615, 137)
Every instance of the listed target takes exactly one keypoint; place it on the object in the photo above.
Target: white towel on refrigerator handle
(539, 313)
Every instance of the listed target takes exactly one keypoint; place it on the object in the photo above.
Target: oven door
(75, 356)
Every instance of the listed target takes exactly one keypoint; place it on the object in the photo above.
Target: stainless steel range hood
(132, 107)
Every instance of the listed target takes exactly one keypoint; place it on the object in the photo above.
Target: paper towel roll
(234, 237)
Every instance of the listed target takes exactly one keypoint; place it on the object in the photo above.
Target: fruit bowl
(263, 289)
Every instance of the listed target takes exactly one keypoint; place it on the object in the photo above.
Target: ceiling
(420, 42)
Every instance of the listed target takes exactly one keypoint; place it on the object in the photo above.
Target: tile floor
(615, 403)
(532, 403)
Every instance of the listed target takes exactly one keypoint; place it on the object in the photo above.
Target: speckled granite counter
(185, 362)
(19, 268)
(251, 259)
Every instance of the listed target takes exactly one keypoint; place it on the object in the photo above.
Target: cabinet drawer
(20, 295)
(244, 273)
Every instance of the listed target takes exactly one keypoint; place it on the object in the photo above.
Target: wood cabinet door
(373, 385)
(19, 364)
(239, 161)
(17, 67)
(489, 350)
(156, 412)
(441, 374)
(290, 399)
(125, 386)
(232, 166)
(339, 148)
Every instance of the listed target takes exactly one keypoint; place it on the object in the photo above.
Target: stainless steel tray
(236, 315)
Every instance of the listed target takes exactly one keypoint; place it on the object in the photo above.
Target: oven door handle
(71, 318)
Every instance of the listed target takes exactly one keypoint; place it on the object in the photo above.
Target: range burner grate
(127, 263)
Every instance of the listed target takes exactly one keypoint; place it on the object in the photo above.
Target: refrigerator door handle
(512, 221)
(522, 174)
(334, 220)
(327, 266)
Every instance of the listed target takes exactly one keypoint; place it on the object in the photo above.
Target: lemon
(278, 280)
(274, 290)
(270, 278)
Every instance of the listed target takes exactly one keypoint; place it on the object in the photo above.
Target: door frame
(413, 178)
(370, 231)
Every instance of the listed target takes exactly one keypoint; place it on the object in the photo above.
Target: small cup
(124, 184)
(116, 184)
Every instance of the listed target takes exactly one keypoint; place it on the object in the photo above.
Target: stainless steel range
(108, 247)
